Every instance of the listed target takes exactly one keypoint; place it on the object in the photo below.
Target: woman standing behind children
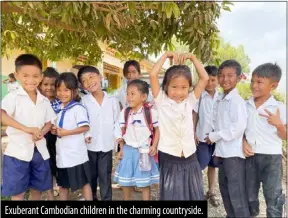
(180, 172)
(11, 83)
(136, 134)
(71, 151)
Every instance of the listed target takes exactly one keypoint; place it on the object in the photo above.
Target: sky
(261, 28)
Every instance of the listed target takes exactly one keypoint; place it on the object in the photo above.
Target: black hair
(12, 76)
(231, 64)
(27, 59)
(175, 71)
(141, 85)
(86, 69)
(50, 72)
(269, 70)
(211, 70)
(70, 81)
(131, 63)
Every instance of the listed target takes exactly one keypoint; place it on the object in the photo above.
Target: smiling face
(91, 82)
(132, 73)
(64, 94)
(30, 77)
(135, 98)
(228, 79)
(178, 88)
(212, 84)
(262, 86)
(47, 87)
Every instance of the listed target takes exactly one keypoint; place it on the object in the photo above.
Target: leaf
(226, 8)
(115, 17)
(200, 32)
(87, 11)
(55, 11)
(132, 7)
(84, 23)
(108, 21)
(176, 10)
(30, 5)
(169, 10)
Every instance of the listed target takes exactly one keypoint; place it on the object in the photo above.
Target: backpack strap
(126, 116)
(148, 119)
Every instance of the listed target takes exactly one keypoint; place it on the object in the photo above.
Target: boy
(103, 111)
(28, 115)
(229, 121)
(47, 88)
(266, 128)
(202, 125)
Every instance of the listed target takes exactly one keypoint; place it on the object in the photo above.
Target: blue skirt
(128, 172)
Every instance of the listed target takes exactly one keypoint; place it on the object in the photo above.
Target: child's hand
(153, 150)
(37, 137)
(208, 141)
(54, 130)
(273, 119)
(173, 56)
(33, 131)
(88, 140)
(120, 154)
(119, 141)
(247, 149)
(62, 132)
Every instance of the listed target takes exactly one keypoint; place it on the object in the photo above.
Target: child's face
(212, 84)
(64, 94)
(132, 74)
(47, 87)
(135, 98)
(30, 77)
(261, 86)
(91, 82)
(228, 79)
(178, 88)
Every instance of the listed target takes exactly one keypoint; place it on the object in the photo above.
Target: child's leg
(63, 193)
(272, 184)
(93, 162)
(19, 197)
(146, 193)
(87, 192)
(211, 179)
(35, 195)
(50, 195)
(127, 193)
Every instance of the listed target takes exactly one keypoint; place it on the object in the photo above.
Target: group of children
(185, 129)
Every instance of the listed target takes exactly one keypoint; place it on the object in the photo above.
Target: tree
(56, 30)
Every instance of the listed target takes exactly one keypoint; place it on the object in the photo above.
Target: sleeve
(82, 116)
(192, 99)
(236, 127)
(116, 114)
(282, 109)
(117, 94)
(196, 107)
(50, 114)
(9, 104)
(122, 119)
(160, 97)
(154, 118)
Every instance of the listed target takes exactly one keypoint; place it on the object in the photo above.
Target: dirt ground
(212, 211)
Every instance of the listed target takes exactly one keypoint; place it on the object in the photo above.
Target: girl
(71, 151)
(136, 134)
(180, 172)
(12, 83)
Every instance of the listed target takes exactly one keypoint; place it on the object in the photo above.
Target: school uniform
(26, 163)
(266, 164)
(71, 151)
(13, 86)
(204, 108)
(229, 122)
(137, 134)
(103, 120)
(180, 177)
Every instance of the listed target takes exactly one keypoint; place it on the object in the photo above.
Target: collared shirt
(13, 86)
(137, 131)
(261, 135)
(229, 122)
(21, 108)
(71, 150)
(176, 125)
(204, 125)
(104, 128)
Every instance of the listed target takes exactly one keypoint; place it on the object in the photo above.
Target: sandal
(213, 199)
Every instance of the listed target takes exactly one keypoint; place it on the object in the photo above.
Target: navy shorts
(204, 154)
(19, 175)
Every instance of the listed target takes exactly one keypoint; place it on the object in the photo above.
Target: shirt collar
(270, 101)
(205, 93)
(138, 112)
(230, 95)
(21, 91)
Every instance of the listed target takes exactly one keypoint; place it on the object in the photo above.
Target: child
(136, 134)
(229, 121)
(47, 88)
(103, 111)
(28, 115)
(180, 172)
(202, 125)
(266, 128)
(12, 83)
(71, 151)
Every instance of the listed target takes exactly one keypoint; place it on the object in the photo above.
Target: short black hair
(131, 63)
(141, 85)
(27, 59)
(70, 81)
(231, 64)
(211, 70)
(175, 71)
(269, 70)
(87, 69)
(12, 76)
(50, 72)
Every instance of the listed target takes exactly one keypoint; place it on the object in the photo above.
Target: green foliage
(57, 30)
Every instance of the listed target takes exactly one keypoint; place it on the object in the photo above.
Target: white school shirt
(13, 86)
(71, 150)
(103, 122)
(176, 125)
(21, 108)
(204, 125)
(261, 135)
(137, 131)
(229, 122)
